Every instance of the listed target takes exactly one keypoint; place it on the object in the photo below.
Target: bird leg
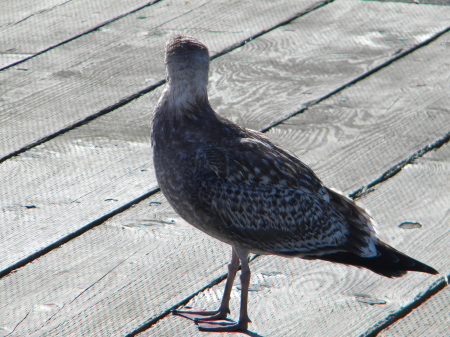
(224, 308)
(243, 321)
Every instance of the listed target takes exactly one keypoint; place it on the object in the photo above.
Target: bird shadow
(223, 323)
(252, 334)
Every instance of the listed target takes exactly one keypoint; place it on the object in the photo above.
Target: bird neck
(185, 94)
(179, 112)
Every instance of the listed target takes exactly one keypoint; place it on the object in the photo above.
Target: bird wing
(266, 199)
(255, 161)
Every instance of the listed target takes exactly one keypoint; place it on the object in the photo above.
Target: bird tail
(389, 262)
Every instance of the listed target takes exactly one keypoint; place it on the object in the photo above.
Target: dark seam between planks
(144, 91)
(356, 194)
(39, 12)
(80, 35)
(304, 12)
(359, 78)
(164, 314)
(398, 167)
(435, 287)
(86, 120)
(76, 233)
(167, 312)
(432, 290)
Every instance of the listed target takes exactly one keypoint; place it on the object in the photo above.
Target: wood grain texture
(94, 169)
(432, 318)
(145, 260)
(31, 28)
(85, 300)
(64, 184)
(284, 70)
(94, 285)
(83, 288)
(292, 297)
(367, 119)
(97, 70)
(18, 11)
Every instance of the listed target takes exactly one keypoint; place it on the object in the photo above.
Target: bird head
(187, 60)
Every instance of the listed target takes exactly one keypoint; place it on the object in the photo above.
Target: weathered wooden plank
(95, 71)
(423, 2)
(300, 298)
(64, 184)
(81, 78)
(14, 12)
(299, 62)
(99, 167)
(83, 288)
(80, 300)
(432, 318)
(29, 28)
(66, 172)
(382, 114)
(145, 260)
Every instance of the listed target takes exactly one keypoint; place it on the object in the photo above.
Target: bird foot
(213, 320)
(224, 326)
(214, 317)
(205, 315)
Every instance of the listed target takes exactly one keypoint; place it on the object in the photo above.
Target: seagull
(237, 186)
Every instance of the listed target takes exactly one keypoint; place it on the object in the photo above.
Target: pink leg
(224, 308)
(242, 323)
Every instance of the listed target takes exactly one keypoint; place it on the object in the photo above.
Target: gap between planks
(359, 78)
(398, 167)
(356, 194)
(152, 87)
(385, 176)
(434, 288)
(97, 27)
(435, 145)
(76, 234)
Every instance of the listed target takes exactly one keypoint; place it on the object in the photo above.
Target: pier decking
(358, 90)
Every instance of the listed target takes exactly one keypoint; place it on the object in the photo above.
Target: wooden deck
(359, 90)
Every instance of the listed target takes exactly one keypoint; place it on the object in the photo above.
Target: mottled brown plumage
(237, 186)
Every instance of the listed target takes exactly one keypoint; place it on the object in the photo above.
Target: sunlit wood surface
(358, 90)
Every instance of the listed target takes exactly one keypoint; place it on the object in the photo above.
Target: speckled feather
(236, 185)
(239, 187)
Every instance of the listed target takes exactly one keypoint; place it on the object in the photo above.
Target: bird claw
(224, 326)
(204, 314)
(215, 317)
(215, 320)
(194, 312)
